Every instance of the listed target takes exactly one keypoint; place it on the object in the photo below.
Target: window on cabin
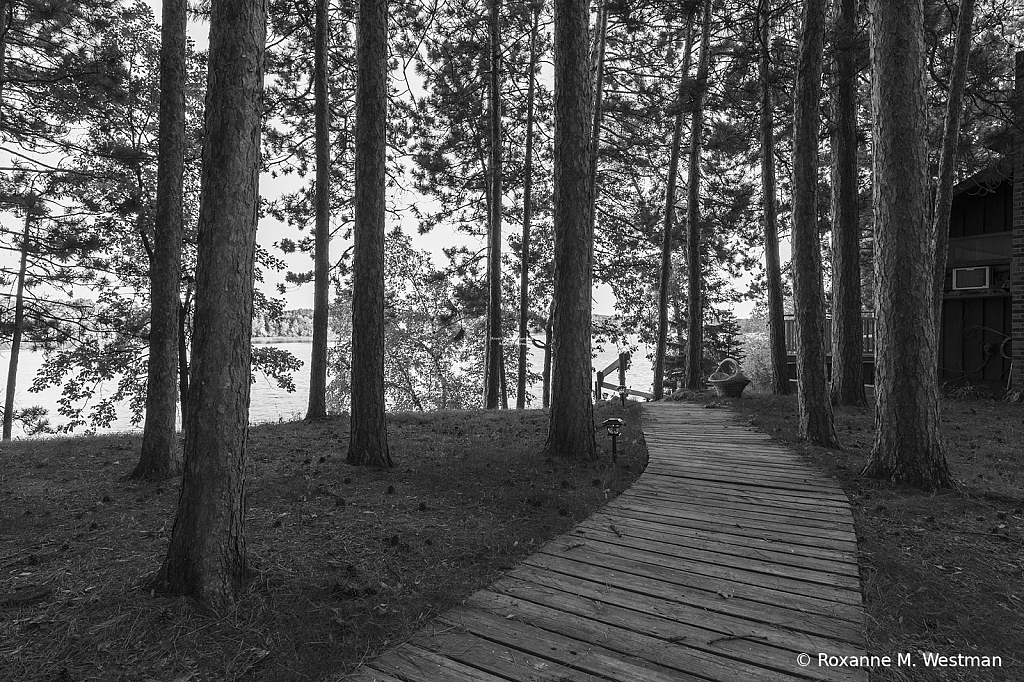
(983, 249)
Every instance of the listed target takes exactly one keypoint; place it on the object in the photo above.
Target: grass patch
(941, 572)
(350, 560)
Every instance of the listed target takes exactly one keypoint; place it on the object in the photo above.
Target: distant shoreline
(266, 340)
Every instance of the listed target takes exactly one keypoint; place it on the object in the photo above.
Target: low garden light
(614, 426)
(623, 392)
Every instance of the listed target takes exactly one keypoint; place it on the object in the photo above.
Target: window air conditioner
(972, 278)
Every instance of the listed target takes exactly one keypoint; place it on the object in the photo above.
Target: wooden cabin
(976, 344)
(982, 338)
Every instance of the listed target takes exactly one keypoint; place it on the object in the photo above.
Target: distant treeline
(289, 323)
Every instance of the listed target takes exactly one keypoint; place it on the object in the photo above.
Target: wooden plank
(797, 488)
(766, 470)
(673, 644)
(781, 627)
(690, 496)
(681, 570)
(723, 527)
(625, 524)
(680, 546)
(503, 660)
(576, 655)
(755, 571)
(684, 496)
(751, 519)
(754, 462)
(823, 603)
(680, 644)
(367, 674)
(837, 502)
(415, 664)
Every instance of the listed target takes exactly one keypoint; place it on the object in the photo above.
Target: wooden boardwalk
(727, 559)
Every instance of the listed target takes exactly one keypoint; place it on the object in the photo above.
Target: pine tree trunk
(773, 267)
(571, 425)
(495, 356)
(847, 325)
(183, 364)
(368, 439)
(159, 458)
(670, 213)
(816, 424)
(546, 372)
(317, 407)
(600, 38)
(907, 447)
(6, 19)
(947, 156)
(524, 272)
(207, 556)
(694, 247)
(19, 326)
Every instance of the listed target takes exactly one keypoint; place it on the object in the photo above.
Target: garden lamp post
(614, 426)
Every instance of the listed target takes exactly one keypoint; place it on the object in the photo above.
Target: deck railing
(621, 364)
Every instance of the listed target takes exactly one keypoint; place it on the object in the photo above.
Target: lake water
(268, 403)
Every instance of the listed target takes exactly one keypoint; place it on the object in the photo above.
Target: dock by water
(726, 560)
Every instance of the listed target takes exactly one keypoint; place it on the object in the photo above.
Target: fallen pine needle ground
(349, 560)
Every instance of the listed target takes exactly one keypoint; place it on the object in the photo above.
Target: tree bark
(694, 248)
(601, 38)
(159, 458)
(773, 266)
(19, 325)
(670, 212)
(207, 555)
(947, 156)
(546, 372)
(907, 447)
(495, 355)
(6, 19)
(317, 407)
(847, 386)
(571, 424)
(524, 271)
(816, 423)
(368, 435)
(183, 363)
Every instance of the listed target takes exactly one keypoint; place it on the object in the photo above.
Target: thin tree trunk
(670, 212)
(907, 448)
(847, 386)
(159, 458)
(207, 555)
(183, 363)
(495, 356)
(947, 157)
(694, 250)
(601, 38)
(816, 423)
(368, 439)
(19, 326)
(6, 19)
(546, 374)
(773, 267)
(524, 272)
(317, 408)
(571, 425)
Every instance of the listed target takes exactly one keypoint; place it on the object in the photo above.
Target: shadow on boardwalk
(726, 560)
